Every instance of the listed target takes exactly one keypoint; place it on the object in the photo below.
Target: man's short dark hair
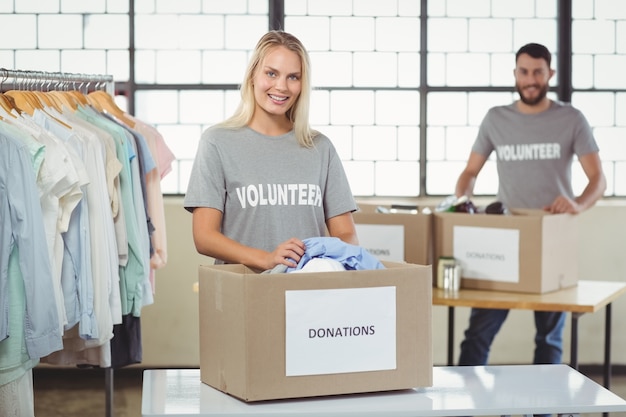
(536, 51)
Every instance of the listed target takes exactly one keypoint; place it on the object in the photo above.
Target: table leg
(574, 341)
(607, 350)
(108, 385)
(450, 336)
(607, 347)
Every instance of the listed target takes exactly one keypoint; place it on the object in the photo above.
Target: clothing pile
(324, 254)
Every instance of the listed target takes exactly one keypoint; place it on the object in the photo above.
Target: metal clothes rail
(49, 81)
(63, 81)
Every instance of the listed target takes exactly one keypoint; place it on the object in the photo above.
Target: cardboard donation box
(529, 251)
(395, 236)
(274, 336)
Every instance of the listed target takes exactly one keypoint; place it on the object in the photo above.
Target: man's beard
(543, 91)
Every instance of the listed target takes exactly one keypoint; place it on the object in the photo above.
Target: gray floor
(81, 392)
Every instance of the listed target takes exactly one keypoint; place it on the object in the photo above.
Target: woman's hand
(287, 253)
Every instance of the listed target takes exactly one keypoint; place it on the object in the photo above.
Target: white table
(470, 390)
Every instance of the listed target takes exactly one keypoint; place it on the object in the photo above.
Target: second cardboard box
(529, 251)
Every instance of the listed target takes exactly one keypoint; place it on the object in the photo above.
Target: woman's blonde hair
(298, 114)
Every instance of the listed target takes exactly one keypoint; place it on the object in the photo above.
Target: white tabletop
(469, 390)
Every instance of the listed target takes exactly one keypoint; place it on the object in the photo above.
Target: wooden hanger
(64, 99)
(44, 99)
(33, 100)
(7, 105)
(79, 97)
(24, 101)
(103, 101)
(55, 102)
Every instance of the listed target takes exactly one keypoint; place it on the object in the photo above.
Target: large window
(400, 86)
(366, 69)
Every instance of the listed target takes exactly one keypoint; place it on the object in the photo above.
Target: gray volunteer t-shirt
(268, 187)
(534, 152)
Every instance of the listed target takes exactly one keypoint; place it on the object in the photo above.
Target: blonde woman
(263, 180)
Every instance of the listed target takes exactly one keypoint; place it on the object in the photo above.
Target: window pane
(398, 178)
(201, 107)
(620, 109)
(313, 31)
(449, 141)
(447, 35)
(408, 143)
(598, 108)
(83, 61)
(408, 70)
(49, 35)
(361, 177)
(441, 178)
(467, 69)
(352, 34)
(375, 69)
(331, 69)
(178, 67)
(319, 112)
(341, 137)
(25, 25)
(462, 48)
(118, 65)
(601, 110)
(38, 60)
(397, 34)
(609, 71)
(397, 107)
(375, 143)
(447, 109)
(106, 31)
(200, 32)
(620, 172)
(223, 67)
(481, 35)
(352, 107)
(468, 8)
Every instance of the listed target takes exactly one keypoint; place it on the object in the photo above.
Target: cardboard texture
(547, 248)
(417, 230)
(243, 334)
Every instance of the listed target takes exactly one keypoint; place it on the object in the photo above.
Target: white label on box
(340, 330)
(487, 253)
(384, 241)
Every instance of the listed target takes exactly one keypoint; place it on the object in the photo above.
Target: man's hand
(562, 204)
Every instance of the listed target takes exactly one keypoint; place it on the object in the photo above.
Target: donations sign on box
(340, 330)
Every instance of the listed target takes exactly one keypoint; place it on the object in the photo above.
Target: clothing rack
(50, 81)
(47, 81)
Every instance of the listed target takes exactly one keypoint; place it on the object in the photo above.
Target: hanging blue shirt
(22, 227)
